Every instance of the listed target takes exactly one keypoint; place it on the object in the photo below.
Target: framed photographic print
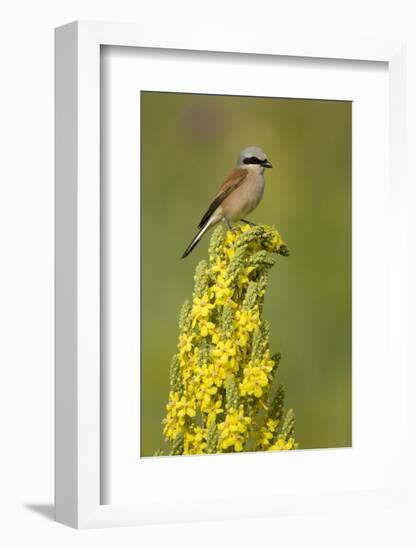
(227, 327)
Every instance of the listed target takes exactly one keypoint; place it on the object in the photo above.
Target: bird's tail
(197, 238)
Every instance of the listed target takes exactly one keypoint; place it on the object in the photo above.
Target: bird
(239, 195)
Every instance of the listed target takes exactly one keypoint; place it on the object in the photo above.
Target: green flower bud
(232, 396)
(175, 375)
(287, 430)
(261, 259)
(257, 345)
(266, 329)
(227, 321)
(276, 358)
(185, 317)
(251, 296)
(212, 438)
(276, 408)
(284, 250)
(201, 279)
(178, 445)
(216, 241)
(236, 264)
(204, 352)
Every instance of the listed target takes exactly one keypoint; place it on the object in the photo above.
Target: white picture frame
(78, 449)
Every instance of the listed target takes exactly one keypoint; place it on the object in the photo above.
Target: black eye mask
(253, 160)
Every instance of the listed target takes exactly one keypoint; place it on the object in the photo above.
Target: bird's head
(253, 158)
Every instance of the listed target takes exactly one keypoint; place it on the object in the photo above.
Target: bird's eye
(252, 160)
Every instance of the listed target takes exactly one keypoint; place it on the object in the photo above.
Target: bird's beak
(266, 164)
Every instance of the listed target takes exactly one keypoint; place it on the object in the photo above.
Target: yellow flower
(204, 394)
(218, 266)
(186, 343)
(282, 445)
(243, 339)
(214, 411)
(218, 373)
(194, 441)
(248, 319)
(266, 433)
(267, 364)
(231, 238)
(178, 408)
(181, 406)
(206, 327)
(224, 351)
(276, 242)
(221, 290)
(255, 378)
(233, 431)
(201, 308)
(243, 278)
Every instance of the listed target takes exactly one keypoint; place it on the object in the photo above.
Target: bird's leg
(228, 224)
(248, 222)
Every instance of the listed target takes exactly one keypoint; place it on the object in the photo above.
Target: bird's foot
(248, 222)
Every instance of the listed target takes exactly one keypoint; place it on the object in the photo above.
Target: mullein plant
(223, 392)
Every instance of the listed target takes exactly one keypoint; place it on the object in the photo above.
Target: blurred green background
(189, 143)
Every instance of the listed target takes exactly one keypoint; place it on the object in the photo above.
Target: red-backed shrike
(239, 195)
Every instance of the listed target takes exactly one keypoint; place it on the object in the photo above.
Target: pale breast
(245, 199)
